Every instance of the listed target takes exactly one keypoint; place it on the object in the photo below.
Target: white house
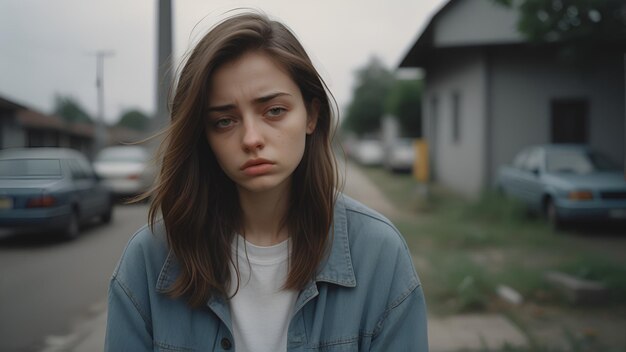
(489, 93)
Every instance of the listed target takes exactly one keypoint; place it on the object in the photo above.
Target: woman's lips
(257, 167)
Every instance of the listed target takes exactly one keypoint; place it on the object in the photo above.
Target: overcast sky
(47, 47)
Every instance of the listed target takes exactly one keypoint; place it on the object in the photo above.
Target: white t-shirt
(261, 310)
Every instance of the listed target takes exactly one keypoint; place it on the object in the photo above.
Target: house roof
(81, 129)
(464, 23)
(34, 119)
(118, 134)
(424, 41)
(31, 118)
(6, 104)
(476, 24)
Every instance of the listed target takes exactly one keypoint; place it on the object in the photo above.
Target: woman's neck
(263, 215)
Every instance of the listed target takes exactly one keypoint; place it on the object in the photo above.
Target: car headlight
(580, 195)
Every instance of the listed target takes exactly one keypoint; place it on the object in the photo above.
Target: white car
(369, 152)
(400, 156)
(126, 170)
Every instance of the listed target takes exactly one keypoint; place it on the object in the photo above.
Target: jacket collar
(336, 268)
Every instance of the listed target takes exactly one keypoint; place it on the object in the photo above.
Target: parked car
(369, 152)
(400, 156)
(50, 189)
(127, 170)
(566, 183)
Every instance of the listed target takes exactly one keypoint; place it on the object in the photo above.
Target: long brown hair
(199, 203)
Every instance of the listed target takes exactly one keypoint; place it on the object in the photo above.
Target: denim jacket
(366, 296)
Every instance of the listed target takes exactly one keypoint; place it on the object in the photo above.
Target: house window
(456, 112)
(569, 120)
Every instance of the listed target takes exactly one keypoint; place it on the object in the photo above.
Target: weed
(595, 268)
(459, 284)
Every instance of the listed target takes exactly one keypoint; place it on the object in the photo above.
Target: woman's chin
(262, 184)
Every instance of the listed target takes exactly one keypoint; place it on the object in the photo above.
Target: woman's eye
(276, 111)
(223, 123)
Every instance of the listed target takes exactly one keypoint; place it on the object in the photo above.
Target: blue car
(50, 189)
(567, 183)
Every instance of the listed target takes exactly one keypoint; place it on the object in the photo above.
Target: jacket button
(226, 344)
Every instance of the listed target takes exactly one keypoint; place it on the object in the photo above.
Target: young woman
(250, 247)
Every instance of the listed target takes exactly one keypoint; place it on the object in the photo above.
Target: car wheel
(553, 217)
(72, 230)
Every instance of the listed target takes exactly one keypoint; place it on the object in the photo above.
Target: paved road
(47, 286)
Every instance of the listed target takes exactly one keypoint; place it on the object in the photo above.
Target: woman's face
(257, 122)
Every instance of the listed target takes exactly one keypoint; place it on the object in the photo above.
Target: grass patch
(400, 188)
(472, 246)
(458, 285)
(528, 282)
(492, 207)
(458, 222)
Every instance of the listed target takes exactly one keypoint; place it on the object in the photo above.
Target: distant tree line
(73, 112)
(378, 93)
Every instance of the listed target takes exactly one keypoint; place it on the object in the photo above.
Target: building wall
(474, 22)
(458, 165)
(523, 84)
(605, 79)
(13, 136)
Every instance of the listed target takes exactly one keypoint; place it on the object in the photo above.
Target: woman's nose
(252, 136)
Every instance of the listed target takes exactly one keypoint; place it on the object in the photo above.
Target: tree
(584, 21)
(367, 107)
(404, 102)
(134, 119)
(70, 110)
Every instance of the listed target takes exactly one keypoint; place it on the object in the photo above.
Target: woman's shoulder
(378, 252)
(145, 252)
(366, 224)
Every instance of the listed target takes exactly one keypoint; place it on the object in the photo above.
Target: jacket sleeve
(403, 327)
(128, 328)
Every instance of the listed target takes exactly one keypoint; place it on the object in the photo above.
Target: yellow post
(421, 162)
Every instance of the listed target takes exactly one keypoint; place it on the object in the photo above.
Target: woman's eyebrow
(259, 100)
(266, 98)
(221, 108)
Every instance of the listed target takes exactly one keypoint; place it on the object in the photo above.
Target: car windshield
(30, 167)
(122, 154)
(579, 162)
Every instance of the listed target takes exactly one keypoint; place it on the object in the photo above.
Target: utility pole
(164, 67)
(100, 135)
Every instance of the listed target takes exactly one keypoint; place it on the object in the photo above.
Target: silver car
(126, 170)
(400, 156)
(567, 183)
(369, 152)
